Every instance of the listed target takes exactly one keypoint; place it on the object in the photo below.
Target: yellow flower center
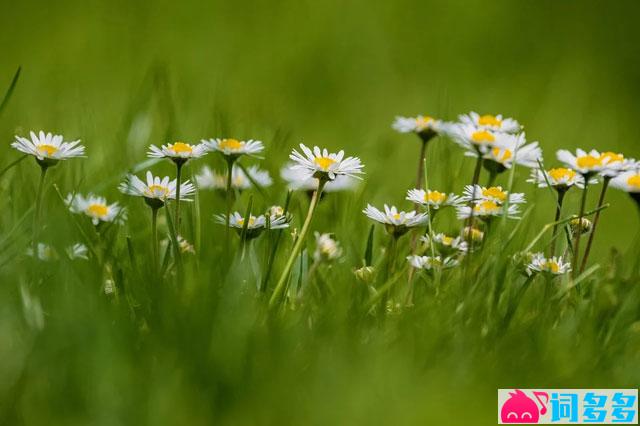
(495, 193)
(611, 157)
(634, 181)
(181, 147)
(502, 155)
(487, 207)
(99, 210)
(252, 220)
(324, 162)
(553, 267)
(159, 191)
(489, 120)
(561, 174)
(482, 136)
(49, 150)
(238, 181)
(435, 197)
(396, 216)
(447, 240)
(423, 121)
(231, 144)
(588, 161)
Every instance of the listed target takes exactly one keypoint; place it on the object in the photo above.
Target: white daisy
(423, 125)
(560, 178)
(78, 251)
(614, 164)
(299, 180)
(472, 139)
(428, 262)
(234, 147)
(585, 163)
(327, 248)
(48, 148)
(628, 181)
(321, 164)
(433, 199)
(446, 243)
(96, 208)
(185, 246)
(208, 179)
(178, 152)
(45, 252)
(487, 209)
(495, 123)
(494, 194)
(156, 191)
(509, 149)
(256, 224)
(553, 266)
(396, 222)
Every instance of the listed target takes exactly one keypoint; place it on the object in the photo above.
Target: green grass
(205, 349)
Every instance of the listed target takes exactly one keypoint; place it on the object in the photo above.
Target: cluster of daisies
(498, 144)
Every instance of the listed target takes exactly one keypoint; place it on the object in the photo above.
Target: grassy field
(199, 344)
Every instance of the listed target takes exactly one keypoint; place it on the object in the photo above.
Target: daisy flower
(256, 224)
(299, 180)
(495, 194)
(208, 179)
(78, 251)
(433, 199)
(155, 191)
(559, 178)
(614, 164)
(327, 248)
(45, 252)
(509, 149)
(323, 165)
(234, 148)
(487, 209)
(396, 222)
(185, 246)
(474, 234)
(472, 139)
(428, 263)
(553, 266)
(495, 123)
(424, 126)
(178, 152)
(48, 148)
(446, 243)
(629, 182)
(585, 163)
(96, 208)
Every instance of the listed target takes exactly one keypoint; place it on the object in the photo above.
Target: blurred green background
(121, 74)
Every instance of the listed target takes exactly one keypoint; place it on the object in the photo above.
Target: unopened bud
(366, 274)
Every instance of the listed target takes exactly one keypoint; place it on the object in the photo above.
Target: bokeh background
(121, 74)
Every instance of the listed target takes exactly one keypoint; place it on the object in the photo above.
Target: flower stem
(474, 182)
(36, 213)
(576, 238)
(421, 165)
(596, 219)
(298, 245)
(154, 237)
(230, 161)
(178, 179)
(552, 250)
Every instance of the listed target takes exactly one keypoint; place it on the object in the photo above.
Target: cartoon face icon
(519, 408)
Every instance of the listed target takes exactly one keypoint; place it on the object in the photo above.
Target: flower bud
(580, 226)
(366, 274)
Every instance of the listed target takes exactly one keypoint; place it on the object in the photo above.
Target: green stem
(154, 237)
(230, 161)
(298, 245)
(561, 195)
(36, 213)
(474, 182)
(596, 219)
(421, 165)
(178, 179)
(576, 238)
